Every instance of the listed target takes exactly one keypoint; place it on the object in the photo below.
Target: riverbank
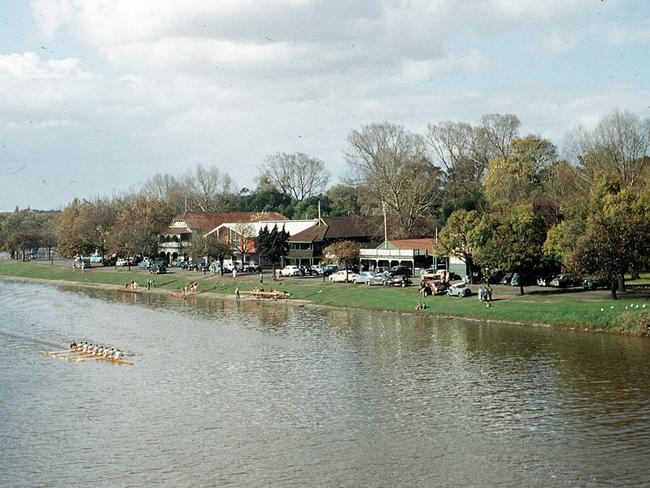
(575, 309)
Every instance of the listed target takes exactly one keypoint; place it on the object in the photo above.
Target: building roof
(423, 244)
(290, 226)
(333, 228)
(207, 221)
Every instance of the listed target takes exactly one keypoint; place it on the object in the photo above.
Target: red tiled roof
(424, 243)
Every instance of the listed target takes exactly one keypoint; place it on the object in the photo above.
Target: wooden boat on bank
(269, 294)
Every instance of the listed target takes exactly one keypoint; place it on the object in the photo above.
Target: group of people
(485, 295)
(192, 286)
(97, 350)
(131, 285)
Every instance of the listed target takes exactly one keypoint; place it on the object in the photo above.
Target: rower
(118, 354)
(73, 345)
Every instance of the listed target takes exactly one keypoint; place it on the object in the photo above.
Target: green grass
(594, 311)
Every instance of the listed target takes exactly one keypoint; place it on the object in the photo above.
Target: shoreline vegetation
(561, 309)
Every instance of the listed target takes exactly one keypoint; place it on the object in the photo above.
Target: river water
(250, 393)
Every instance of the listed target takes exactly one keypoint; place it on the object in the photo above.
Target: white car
(121, 262)
(459, 290)
(290, 270)
(342, 276)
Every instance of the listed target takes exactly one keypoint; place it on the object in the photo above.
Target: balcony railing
(397, 253)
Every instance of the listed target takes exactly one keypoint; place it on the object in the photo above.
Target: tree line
(499, 199)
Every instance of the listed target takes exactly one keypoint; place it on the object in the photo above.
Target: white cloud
(29, 66)
(227, 81)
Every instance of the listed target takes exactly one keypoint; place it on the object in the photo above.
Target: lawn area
(590, 310)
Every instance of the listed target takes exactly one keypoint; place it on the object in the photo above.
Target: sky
(98, 96)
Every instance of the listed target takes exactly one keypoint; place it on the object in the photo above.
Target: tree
(297, 175)
(618, 146)
(391, 163)
(498, 132)
(272, 245)
(344, 200)
(462, 236)
(138, 224)
(244, 239)
(208, 189)
(513, 241)
(347, 252)
(213, 247)
(168, 188)
(517, 177)
(267, 199)
(613, 239)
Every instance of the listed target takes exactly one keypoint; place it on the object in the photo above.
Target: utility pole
(383, 208)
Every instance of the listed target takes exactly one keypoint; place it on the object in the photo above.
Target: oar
(57, 352)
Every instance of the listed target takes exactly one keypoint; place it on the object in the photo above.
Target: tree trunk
(613, 289)
(469, 266)
(621, 282)
(521, 289)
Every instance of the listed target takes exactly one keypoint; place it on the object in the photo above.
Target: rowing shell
(90, 355)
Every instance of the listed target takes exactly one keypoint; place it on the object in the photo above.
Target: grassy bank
(584, 310)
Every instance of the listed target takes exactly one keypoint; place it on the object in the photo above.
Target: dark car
(398, 280)
(522, 279)
(329, 269)
(157, 268)
(495, 277)
(401, 271)
(562, 281)
(595, 283)
(110, 261)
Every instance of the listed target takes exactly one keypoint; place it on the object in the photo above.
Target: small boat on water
(111, 359)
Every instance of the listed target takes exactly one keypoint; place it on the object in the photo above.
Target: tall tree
(297, 174)
(462, 236)
(391, 163)
(208, 189)
(613, 239)
(514, 241)
(619, 146)
(272, 245)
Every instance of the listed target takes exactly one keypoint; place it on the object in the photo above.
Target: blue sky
(98, 96)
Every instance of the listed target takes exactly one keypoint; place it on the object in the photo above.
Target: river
(252, 393)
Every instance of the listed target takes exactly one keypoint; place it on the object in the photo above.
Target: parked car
(364, 278)
(342, 276)
(495, 277)
(506, 279)
(545, 280)
(110, 261)
(316, 269)
(401, 270)
(562, 281)
(329, 269)
(157, 268)
(121, 262)
(459, 290)
(595, 283)
(522, 279)
(290, 270)
(95, 258)
(399, 280)
(145, 263)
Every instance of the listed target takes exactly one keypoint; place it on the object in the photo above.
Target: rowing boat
(90, 355)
